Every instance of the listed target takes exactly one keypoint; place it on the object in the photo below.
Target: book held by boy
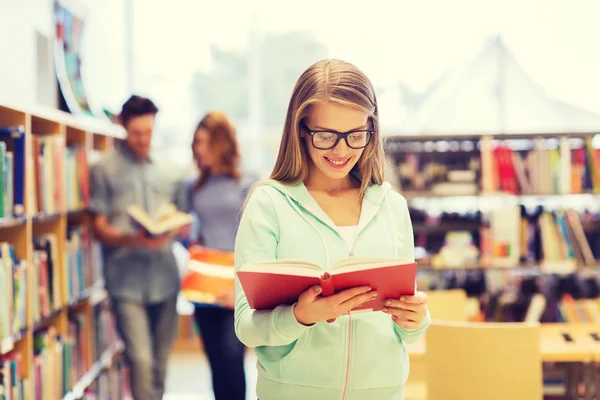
(168, 219)
(272, 283)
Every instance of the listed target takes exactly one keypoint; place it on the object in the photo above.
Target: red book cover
(273, 283)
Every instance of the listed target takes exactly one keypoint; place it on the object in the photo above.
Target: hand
(184, 232)
(155, 242)
(141, 240)
(408, 312)
(312, 308)
(227, 300)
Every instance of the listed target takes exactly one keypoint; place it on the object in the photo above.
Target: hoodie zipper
(349, 348)
(348, 359)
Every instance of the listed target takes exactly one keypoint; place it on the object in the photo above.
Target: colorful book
(272, 283)
(14, 137)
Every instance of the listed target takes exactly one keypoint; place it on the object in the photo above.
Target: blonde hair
(337, 82)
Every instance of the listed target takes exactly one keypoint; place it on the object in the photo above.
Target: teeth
(334, 162)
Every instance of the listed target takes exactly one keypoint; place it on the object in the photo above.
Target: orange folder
(210, 275)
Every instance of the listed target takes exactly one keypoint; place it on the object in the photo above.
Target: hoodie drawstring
(289, 199)
(391, 226)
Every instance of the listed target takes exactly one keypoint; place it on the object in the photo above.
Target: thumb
(312, 293)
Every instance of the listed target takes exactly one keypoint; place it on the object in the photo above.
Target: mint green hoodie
(357, 357)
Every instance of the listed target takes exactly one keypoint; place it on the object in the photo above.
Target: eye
(357, 136)
(325, 136)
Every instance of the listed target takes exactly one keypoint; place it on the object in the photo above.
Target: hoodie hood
(299, 198)
(299, 193)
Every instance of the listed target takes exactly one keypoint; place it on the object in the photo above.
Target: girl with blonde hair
(326, 199)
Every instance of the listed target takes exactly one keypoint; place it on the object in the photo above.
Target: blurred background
(491, 114)
(439, 67)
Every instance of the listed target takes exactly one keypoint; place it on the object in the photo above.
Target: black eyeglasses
(325, 140)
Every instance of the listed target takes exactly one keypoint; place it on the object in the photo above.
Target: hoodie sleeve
(408, 251)
(256, 240)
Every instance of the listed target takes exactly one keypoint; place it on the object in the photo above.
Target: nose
(341, 147)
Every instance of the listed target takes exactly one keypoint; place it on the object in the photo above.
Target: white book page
(173, 222)
(287, 267)
(141, 217)
(359, 264)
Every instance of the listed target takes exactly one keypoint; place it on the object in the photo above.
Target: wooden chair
(448, 305)
(492, 361)
(445, 305)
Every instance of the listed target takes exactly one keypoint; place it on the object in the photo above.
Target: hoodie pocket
(318, 361)
(271, 358)
(378, 356)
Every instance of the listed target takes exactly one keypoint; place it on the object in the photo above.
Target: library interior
(489, 121)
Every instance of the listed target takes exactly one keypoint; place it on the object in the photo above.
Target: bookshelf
(500, 213)
(56, 332)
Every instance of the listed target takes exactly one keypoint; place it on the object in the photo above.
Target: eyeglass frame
(339, 135)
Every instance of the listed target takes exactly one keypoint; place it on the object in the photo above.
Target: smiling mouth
(338, 162)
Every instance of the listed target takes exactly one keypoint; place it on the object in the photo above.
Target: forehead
(337, 117)
(141, 123)
(201, 134)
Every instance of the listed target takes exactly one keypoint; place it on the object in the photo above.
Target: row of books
(7, 202)
(61, 175)
(13, 292)
(105, 334)
(81, 270)
(579, 311)
(508, 236)
(112, 384)
(518, 166)
(445, 173)
(555, 239)
(557, 166)
(530, 296)
(12, 162)
(60, 361)
(83, 260)
(61, 179)
(45, 277)
(12, 383)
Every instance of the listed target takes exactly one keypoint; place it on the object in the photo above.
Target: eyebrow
(362, 128)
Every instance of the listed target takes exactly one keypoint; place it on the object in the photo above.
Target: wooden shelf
(414, 195)
(532, 267)
(73, 134)
(12, 222)
(497, 136)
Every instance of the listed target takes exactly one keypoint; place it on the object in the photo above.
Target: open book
(168, 219)
(271, 283)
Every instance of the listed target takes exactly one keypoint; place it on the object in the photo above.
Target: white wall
(104, 60)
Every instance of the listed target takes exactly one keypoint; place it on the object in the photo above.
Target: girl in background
(216, 197)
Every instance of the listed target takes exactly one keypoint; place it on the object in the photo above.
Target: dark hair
(136, 106)
(222, 137)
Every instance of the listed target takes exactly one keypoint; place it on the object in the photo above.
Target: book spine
(326, 283)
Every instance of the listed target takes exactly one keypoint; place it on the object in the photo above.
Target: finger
(311, 294)
(358, 300)
(406, 324)
(403, 305)
(347, 294)
(418, 298)
(403, 314)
